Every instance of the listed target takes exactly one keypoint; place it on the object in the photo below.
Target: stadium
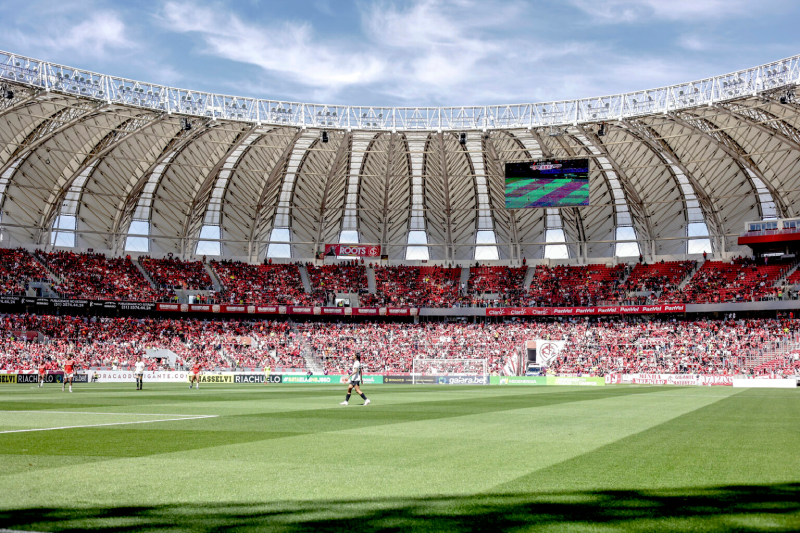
(569, 315)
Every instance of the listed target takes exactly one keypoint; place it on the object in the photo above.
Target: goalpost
(465, 371)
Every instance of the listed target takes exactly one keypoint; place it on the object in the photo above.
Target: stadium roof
(96, 161)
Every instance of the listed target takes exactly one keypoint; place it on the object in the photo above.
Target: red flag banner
(352, 250)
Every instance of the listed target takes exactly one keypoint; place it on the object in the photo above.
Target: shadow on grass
(773, 508)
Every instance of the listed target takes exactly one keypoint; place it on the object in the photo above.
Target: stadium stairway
(213, 276)
(528, 278)
(144, 273)
(788, 273)
(464, 281)
(689, 276)
(304, 278)
(371, 285)
(46, 267)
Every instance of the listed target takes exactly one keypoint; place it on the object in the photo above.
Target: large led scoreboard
(547, 183)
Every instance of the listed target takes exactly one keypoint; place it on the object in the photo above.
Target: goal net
(453, 371)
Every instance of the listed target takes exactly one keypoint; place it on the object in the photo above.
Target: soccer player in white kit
(138, 372)
(355, 379)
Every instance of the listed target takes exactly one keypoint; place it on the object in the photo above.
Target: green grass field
(427, 458)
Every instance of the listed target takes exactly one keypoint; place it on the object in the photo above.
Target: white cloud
(95, 36)
(611, 11)
(288, 49)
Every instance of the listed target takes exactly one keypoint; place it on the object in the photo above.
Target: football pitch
(419, 458)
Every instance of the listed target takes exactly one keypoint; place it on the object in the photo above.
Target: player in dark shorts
(355, 379)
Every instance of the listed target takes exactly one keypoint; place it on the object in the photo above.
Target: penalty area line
(110, 424)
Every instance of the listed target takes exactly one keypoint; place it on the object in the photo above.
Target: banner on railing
(669, 379)
(580, 311)
(352, 250)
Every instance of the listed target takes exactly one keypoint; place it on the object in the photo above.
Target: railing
(116, 90)
(762, 232)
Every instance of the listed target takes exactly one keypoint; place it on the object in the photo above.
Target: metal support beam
(200, 201)
(491, 155)
(735, 151)
(635, 203)
(111, 141)
(341, 152)
(449, 251)
(661, 148)
(387, 179)
(274, 175)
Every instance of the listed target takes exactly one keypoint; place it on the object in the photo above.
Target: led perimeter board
(547, 183)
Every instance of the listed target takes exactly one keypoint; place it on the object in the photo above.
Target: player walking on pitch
(194, 375)
(139, 372)
(42, 373)
(69, 372)
(355, 379)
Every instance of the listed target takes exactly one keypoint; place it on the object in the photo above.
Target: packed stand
(505, 282)
(264, 284)
(742, 280)
(92, 276)
(726, 347)
(575, 286)
(660, 280)
(115, 343)
(18, 268)
(172, 273)
(413, 286)
(327, 280)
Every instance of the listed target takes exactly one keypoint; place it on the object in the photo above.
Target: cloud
(624, 11)
(284, 48)
(95, 35)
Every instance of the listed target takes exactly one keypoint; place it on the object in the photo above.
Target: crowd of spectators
(742, 280)
(575, 286)
(93, 276)
(327, 280)
(172, 273)
(414, 286)
(658, 281)
(669, 347)
(591, 347)
(18, 269)
(264, 284)
(114, 343)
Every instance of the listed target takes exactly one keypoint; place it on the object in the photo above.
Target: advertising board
(518, 380)
(575, 380)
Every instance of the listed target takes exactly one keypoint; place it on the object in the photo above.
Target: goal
(450, 371)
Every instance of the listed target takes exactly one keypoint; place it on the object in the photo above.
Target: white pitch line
(92, 413)
(110, 424)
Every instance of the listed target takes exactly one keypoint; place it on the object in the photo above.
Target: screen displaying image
(549, 183)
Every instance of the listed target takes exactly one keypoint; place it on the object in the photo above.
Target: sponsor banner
(352, 250)
(136, 306)
(63, 302)
(257, 378)
(766, 383)
(118, 376)
(574, 380)
(303, 310)
(334, 310)
(578, 311)
(233, 309)
(216, 378)
(6, 379)
(462, 380)
(269, 309)
(365, 311)
(10, 300)
(397, 311)
(674, 379)
(33, 378)
(369, 379)
(518, 380)
(407, 379)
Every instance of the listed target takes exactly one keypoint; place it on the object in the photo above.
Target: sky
(406, 53)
